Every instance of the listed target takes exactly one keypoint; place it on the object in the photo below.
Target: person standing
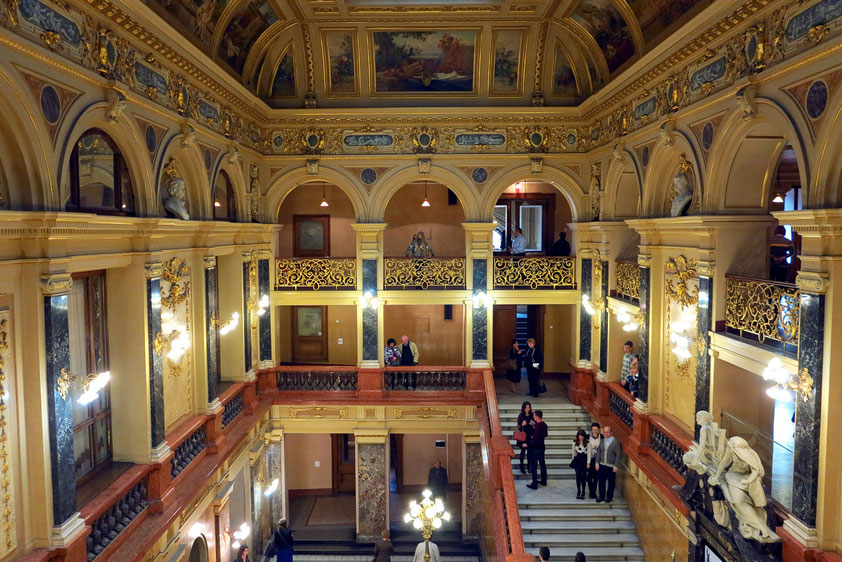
(533, 360)
(384, 547)
(580, 462)
(561, 247)
(608, 459)
(518, 243)
(408, 352)
(535, 450)
(526, 424)
(242, 554)
(513, 366)
(544, 554)
(628, 357)
(437, 480)
(594, 441)
(392, 355)
(780, 250)
(283, 542)
(631, 381)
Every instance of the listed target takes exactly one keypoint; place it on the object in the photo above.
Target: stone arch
(286, 182)
(623, 188)
(657, 181)
(398, 177)
(239, 183)
(752, 146)
(562, 180)
(191, 167)
(126, 136)
(26, 181)
(825, 188)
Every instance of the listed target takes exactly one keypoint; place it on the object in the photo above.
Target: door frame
(294, 335)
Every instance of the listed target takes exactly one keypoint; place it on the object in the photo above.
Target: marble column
(585, 286)
(645, 262)
(247, 315)
(59, 406)
(264, 321)
(267, 464)
(808, 415)
(479, 314)
(705, 324)
(212, 320)
(156, 362)
(370, 336)
(372, 448)
(473, 480)
(603, 320)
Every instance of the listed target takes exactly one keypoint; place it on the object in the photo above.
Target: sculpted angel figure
(743, 488)
(699, 459)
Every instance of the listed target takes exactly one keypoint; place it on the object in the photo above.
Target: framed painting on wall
(311, 236)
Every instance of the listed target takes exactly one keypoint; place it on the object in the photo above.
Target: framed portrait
(311, 236)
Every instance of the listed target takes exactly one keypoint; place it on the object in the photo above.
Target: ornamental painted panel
(340, 48)
(39, 15)
(195, 19)
(53, 99)
(564, 78)
(244, 27)
(508, 63)
(176, 328)
(152, 135)
(823, 13)
(709, 74)
(657, 18)
(283, 84)
(425, 61)
(609, 29)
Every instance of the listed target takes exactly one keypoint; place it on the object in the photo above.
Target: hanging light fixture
(518, 187)
(324, 202)
(778, 199)
(426, 203)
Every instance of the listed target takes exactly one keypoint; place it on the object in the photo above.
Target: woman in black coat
(513, 366)
(533, 360)
(525, 423)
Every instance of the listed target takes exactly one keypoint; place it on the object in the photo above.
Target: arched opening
(224, 200)
(627, 197)
(440, 221)
(199, 550)
(99, 179)
(317, 218)
(535, 208)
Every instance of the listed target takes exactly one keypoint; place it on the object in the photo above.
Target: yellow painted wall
(302, 451)
(420, 452)
(440, 222)
(659, 536)
(341, 323)
(304, 200)
(559, 333)
(742, 394)
(439, 341)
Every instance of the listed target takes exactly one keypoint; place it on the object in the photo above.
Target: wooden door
(396, 457)
(344, 462)
(309, 334)
(505, 326)
(311, 236)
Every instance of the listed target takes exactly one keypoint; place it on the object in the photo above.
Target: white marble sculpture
(175, 201)
(705, 456)
(682, 189)
(743, 488)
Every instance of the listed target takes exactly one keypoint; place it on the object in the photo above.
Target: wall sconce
(369, 300)
(239, 535)
(90, 385)
(630, 323)
(262, 305)
(272, 488)
(678, 334)
(482, 300)
(225, 327)
(785, 381)
(178, 342)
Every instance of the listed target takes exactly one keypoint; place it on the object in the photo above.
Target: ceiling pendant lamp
(426, 203)
(778, 199)
(518, 188)
(324, 202)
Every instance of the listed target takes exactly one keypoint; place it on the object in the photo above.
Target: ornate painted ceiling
(376, 53)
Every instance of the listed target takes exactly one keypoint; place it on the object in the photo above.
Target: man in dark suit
(607, 460)
(535, 450)
(383, 548)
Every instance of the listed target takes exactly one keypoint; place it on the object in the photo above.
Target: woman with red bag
(526, 424)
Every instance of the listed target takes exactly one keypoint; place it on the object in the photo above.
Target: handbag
(542, 389)
(519, 435)
(511, 364)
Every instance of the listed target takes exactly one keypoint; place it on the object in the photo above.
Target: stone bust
(175, 201)
(682, 190)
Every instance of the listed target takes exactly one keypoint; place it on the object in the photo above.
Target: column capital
(154, 270)
(644, 260)
(209, 262)
(56, 284)
(705, 268)
(369, 227)
(481, 227)
(813, 282)
(471, 436)
(589, 253)
(372, 436)
(250, 255)
(264, 254)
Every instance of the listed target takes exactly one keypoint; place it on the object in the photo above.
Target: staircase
(552, 516)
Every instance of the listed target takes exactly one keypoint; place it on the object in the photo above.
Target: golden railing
(628, 280)
(424, 272)
(762, 310)
(315, 273)
(534, 273)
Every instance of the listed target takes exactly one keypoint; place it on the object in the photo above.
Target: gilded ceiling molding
(579, 32)
(311, 72)
(261, 47)
(541, 55)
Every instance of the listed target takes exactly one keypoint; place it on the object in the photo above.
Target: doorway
(519, 322)
(344, 462)
(309, 334)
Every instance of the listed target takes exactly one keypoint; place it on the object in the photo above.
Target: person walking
(593, 443)
(608, 460)
(408, 352)
(283, 542)
(437, 480)
(535, 450)
(580, 462)
(513, 364)
(525, 423)
(384, 547)
(533, 360)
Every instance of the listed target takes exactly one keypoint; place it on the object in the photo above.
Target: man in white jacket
(420, 551)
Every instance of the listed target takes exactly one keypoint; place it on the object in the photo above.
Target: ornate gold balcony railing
(763, 311)
(444, 273)
(628, 280)
(315, 273)
(534, 273)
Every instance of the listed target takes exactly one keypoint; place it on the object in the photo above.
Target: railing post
(370, 384)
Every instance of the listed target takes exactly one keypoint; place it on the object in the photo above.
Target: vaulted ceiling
(375, 53)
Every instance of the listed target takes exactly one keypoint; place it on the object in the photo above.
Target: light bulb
(416, 523)
(244, 530)
(407, 518)
(235, 544)
(217, 204)
(778, 393)
(414, 510)
(426, 493)
(324, 203)
(778, 199)
(426, 203)
(430, 512)
(446, 516)
(439, 505)
(436, 523)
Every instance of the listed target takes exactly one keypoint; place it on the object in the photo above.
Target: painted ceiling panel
(195, 19)
(604, 23)
(244, 27)
(659, 17)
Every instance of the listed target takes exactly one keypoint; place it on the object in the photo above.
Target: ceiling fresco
(358, 53)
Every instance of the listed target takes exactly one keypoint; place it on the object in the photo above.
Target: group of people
(544, 555)
(596, 458)
(530, 358)
(405, 355)
(630, 371)
(561, 247)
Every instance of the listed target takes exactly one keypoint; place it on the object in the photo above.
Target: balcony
(424, 273)
(312, 274)
(763, 312)
(538, 272)
(628, 281)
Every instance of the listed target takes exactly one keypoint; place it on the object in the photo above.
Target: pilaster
(250, 333)
(704, 317)
(473, 480)
(264, 321)
(372, 450)
(154, 271)
(369, 310)
(212, 320)
(479, 263)
(585, 320)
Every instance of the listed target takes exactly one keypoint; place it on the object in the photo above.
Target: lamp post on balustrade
(426, 516)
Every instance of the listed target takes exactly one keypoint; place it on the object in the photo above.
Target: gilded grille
(762, 310)
(534, 273)
(628, 280)
(315, 273)
(424, 272)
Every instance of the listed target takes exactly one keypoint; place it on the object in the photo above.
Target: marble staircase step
(596, 554)
(574, 538)
(572, 516)
(540, 528)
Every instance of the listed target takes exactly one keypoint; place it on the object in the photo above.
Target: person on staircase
(580, 462)
(513, 363)
(533, 361)
(608, 460)
(383, 548)
(535, 450)
(526, 424)
(421, 549)
(593, 444)
(543, 554)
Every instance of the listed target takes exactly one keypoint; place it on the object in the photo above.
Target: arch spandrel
(616, 182)
(190, 164)
(283, 184)
(399, 176)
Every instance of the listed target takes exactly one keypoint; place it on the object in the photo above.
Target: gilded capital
(644, 260)
(264, 254)
(154, 270)
(705, 268)
(812, 282)
(589, 254)
(56, 284)
(209, 262)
